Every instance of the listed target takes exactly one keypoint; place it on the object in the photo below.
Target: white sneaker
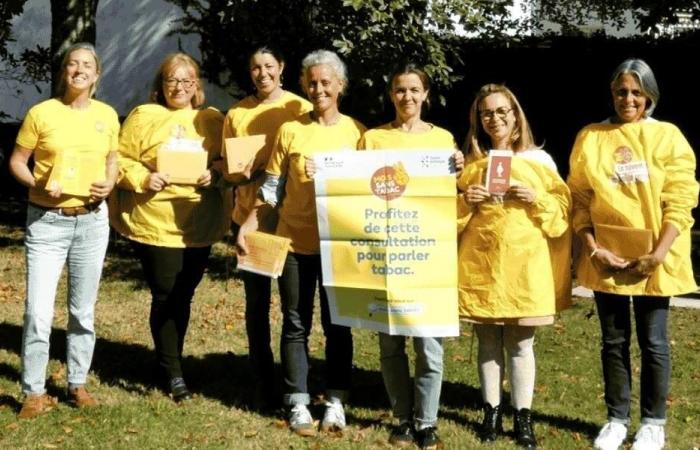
(649, 437)
(611, 436)
(300, 420)
(334, 417)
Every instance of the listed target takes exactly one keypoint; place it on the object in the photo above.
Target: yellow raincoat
(514, 258)
(180, 215)
(638, 175)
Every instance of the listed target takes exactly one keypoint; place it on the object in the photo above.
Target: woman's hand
(205, 179)
(251, 224)
(99, 190)
(476, 193)
(645, 265)
(155, 181)
(309, 167)
(522, 193)
(458, 158)
(609, 260)
(54, 190)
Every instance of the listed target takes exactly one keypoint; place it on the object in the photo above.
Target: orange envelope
(184, 160)
(74, 173)
(626, 242)
(240, 153)
(266, 254)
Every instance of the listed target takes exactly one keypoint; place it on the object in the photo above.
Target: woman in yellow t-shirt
(73, 141)
(510, 253)
(633, 184)
(288, 187)
(260, 114)
(171, 225)
(415, 404)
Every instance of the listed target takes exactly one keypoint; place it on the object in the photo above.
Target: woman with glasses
(67, 220)
(524, 238)
(260, 114)
(633, 185)
(171, 225)
(288, 187)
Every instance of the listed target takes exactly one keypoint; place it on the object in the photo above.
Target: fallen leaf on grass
(12, 426)
(250, 434)
(67, 430)
(132, 431)
(280, 423)
(49, 446)
(577, 436)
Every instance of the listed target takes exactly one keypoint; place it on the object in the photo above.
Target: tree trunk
(72, 21)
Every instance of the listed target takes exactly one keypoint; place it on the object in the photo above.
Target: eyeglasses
(501, 113)
(173, 82)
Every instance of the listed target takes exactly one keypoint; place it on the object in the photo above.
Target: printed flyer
(387, 223)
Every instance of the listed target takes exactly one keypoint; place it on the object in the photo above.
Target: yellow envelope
(626, 242)
(266, 254)
(184, 160)
(241, 152)
(74, 173)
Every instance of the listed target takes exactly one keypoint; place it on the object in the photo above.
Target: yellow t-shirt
(51, 128)
(250, 117)
(179, 215)
(295, 140)
(387, 137)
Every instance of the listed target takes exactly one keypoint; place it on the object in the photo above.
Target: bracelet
(594, 252)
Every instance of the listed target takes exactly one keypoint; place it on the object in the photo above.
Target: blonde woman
(513, 256)
(65, 227)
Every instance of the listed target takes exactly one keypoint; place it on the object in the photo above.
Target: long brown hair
(168, 66)
(478, 142)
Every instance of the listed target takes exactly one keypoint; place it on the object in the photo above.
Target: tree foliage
(372, 36)
(647, 14)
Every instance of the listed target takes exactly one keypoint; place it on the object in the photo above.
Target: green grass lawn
(135, 414)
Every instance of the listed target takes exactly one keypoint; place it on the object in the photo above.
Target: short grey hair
(328, 58)
(645, 77)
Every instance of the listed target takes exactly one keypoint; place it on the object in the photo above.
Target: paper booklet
(240, 153)
(626, 242)
(74, 173)
(184, 160)
(498, 171)
(266, 254)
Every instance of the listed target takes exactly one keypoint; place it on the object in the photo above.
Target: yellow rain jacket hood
(514, 258)
(638, 175)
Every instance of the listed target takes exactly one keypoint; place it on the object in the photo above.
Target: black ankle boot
(492, 425)
(522, 424)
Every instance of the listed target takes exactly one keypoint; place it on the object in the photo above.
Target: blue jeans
(419, 400)
(650, 315)
(52, 240)
(297, 286)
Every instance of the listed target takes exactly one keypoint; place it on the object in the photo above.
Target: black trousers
(172, 275)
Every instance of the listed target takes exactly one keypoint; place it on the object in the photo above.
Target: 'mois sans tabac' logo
(389, 182)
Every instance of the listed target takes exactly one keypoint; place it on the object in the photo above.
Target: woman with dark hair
(323, 129)
(514, 256)
(415, 404)
(632, 179)
(171, 226)
(261, 113)
(65, 224)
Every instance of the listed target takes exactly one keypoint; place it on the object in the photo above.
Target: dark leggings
(172, 275)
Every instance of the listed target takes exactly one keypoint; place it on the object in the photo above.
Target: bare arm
(19, 166)
(101, 189)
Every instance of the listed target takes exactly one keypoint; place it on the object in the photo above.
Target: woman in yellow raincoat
(632, 180)
(513, 255)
